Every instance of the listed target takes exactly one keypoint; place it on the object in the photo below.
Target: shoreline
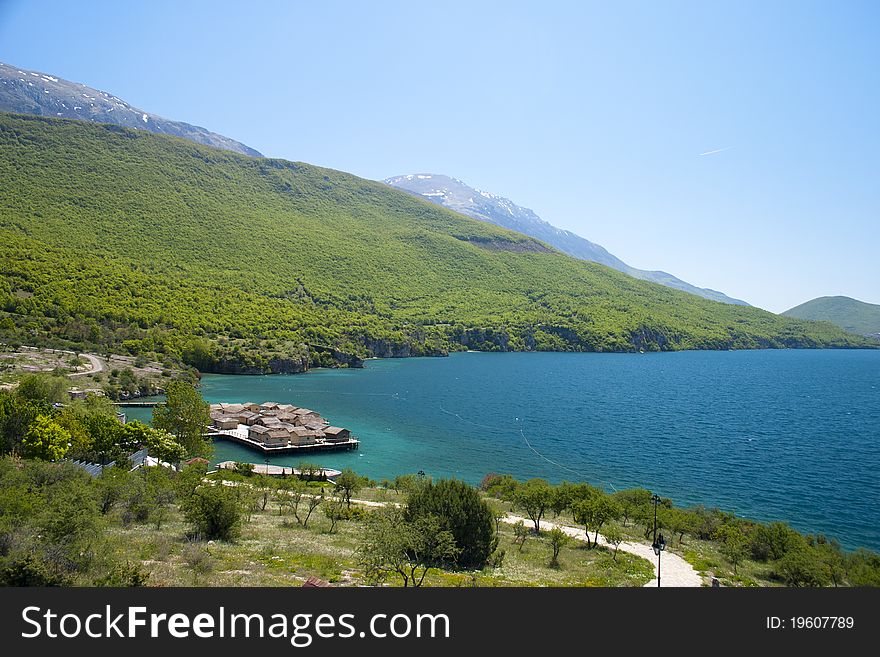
(533, 351)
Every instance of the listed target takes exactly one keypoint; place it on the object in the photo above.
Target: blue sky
(595, 115)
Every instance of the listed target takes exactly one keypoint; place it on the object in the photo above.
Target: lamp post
(267, 466)
(659, 543)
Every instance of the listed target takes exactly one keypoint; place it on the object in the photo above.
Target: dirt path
(674, 570)
(97, 365)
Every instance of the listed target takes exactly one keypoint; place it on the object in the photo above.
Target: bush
(863, 568)
(774, 541)
(461, 512)
(500, 486)
(801, 567)
(124, 575)
(43, 387)
(214, 512)
(29, 570)
(198, 559)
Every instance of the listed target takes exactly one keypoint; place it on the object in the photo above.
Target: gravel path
(97, 365)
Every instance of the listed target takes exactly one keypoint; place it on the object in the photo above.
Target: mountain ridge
(457, 195)
(23, 91)
(847, 313)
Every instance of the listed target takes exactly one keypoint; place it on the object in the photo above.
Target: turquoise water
(790, 435)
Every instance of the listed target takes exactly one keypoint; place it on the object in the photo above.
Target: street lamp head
(659, 545)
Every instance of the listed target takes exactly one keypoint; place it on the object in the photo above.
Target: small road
(97, 365)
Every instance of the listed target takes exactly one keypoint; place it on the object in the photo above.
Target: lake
(773, 435)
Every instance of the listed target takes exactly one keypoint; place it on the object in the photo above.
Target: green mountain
(123, 239)
(849, 314)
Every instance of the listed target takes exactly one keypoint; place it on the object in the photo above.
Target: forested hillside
(124, 240)
(849, 314)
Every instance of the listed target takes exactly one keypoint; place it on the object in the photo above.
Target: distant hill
(125, 240)
(849, 314)
(456, 195)
(31, 92)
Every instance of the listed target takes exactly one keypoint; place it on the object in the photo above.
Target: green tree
(567, 494)
(831, 557)
(520, 534)
(558, 539)
(734, 544)
(862, 568)
(614, 535)
(46, 440)
(160, 494)
(534, 497)
(501, 486)
(135, 502)
(594, 512)
(630, 500)
(801, 567)
(111, 486)
(772, 542)
(335, 510)
(391, 545)
(265, 486)
(16, 415)
(214, 512)
(679, 521)
(312, 503)
(186, 415)
(69, 526)
(164, 446)
(189, 479)
(288, 494)
(43, 387)
(109, 439)
(463, 513)
(348, 484)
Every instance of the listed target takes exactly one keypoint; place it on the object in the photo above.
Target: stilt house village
(278, 427)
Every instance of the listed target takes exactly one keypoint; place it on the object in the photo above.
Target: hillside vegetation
(849, 314)
(123, 240)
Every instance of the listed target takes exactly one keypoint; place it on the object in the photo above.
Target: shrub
(462, 512)
(30, 570)
(124, 575)
(801, 567)
(214, 512)
(774, 541)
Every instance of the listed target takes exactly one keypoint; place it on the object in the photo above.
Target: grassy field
(274, 550)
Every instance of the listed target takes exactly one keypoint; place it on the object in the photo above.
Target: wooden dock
(321, 474)
(136, 404)
(241, 437)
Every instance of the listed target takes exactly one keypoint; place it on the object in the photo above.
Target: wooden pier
(136, 404)
(239, 436)
(320, 474)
